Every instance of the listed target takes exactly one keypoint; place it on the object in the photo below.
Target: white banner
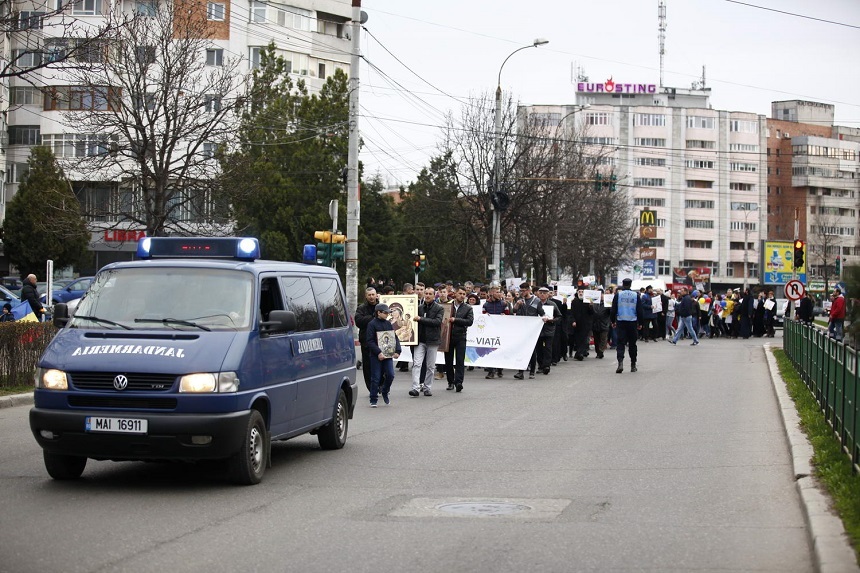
(496, 341)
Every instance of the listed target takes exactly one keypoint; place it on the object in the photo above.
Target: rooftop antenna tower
(661, 28)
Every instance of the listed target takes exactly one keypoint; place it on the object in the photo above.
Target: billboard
(777, 263)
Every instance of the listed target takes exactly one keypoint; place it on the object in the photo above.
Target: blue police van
(198, 350)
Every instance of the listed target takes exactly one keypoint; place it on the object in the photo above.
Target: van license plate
(116, 425)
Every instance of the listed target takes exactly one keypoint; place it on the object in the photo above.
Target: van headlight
(51, 379)
(201, 382)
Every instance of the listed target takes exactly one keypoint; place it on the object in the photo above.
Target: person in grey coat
(429, 319)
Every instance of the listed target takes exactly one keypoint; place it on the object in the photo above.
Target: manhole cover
(482, 509)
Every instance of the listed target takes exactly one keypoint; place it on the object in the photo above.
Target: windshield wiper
(174, 321)
(103, 320)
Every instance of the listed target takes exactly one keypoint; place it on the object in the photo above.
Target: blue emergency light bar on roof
(241, 248)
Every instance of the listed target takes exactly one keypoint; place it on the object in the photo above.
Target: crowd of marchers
(570, 331)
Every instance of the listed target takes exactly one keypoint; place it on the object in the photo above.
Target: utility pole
(352, 203)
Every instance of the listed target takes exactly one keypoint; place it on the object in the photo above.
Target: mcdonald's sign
(647, 218)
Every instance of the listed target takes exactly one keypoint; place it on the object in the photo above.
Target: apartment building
(701, 171)
(312, 35)
(814, 185)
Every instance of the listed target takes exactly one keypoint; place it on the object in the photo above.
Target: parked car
(7, 295)
(74, 289)
(819, 311)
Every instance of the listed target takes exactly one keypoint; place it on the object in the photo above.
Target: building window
(216, 11)
(539, 119)
(699, 184)
(297, 63)
(698, 224)
(321, 70)
(700, 122)
(649, 141)
(648, 202)
(147, 101)
(649, 119)
(651, 161)
(254, 56)
(739, 246)
(742, 226)
(748, 167)
(598, 118)
(208, 150)
(258, 12)
(649, 182)
(56, 49)
(78, 144)
(730, 270)
(664, 267)
(24, 135)
(701, 144)
(698, 204)
(744, 187)
(599, 140)
(744, 206)
(746, 147)
(752, 270)
(295, 18)
(211, 103)
(698, 244)
(147, 8)
(29, 20)
(79, 98)
(87, 8)
(145, 55)
(698, 164)
(743, 126)
(215, 57)
(17, 172)
(25, 96)
(26, 58)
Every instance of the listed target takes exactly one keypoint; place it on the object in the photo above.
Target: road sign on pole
(794, 290)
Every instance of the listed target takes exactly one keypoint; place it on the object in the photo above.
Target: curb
(16, 400)
(830, 548)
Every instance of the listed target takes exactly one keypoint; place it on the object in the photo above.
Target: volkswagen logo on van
(120, 382)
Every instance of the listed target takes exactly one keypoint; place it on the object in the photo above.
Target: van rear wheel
(248, 465)
(62, 467)
(332, 436)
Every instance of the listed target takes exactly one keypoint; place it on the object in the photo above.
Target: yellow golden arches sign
(647, 218)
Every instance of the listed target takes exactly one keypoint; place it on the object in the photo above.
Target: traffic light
(612, 181)
(598, 182)
(798, 253)
(423, 259)
(838, 265)
(337, 247)
(323, 247)
(416, 263)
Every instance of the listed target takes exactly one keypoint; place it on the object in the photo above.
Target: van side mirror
(61, 314)
(279, 321)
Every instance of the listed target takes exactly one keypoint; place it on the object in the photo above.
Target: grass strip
(832, 465)
(15, 389)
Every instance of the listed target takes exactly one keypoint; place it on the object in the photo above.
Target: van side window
(270, 297)
(300, 300)
(330, 302)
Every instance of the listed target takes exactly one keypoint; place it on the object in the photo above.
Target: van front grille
(137, 381)
(131, 403)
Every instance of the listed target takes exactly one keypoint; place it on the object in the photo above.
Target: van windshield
(167, 298)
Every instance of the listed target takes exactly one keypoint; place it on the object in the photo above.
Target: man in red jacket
(837, 315)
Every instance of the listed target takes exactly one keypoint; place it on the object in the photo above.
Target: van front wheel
(248, 465)
(64, 467)
(332, 436)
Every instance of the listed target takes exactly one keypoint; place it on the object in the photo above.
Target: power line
(795, 15)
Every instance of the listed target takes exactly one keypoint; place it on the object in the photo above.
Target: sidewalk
(16, 400)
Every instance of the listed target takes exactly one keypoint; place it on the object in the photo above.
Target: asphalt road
(682, 466)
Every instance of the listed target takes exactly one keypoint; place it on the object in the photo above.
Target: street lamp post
(497, 164)
(747, 209)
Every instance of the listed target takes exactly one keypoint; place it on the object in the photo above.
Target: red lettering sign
(123, 235)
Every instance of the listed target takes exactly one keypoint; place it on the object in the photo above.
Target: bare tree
(45, 34)
(824, 243)
(153, 114)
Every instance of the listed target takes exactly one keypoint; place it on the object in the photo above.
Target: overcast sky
(752, 56)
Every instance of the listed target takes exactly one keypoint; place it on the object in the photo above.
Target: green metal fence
(830, 371)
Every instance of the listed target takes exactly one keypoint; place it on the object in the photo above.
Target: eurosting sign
(613, 87)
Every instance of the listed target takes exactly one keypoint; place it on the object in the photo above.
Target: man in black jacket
(31, 295)
(461, 319)
(528, 305)
(547, 333)
(429, 319)
(363, 315)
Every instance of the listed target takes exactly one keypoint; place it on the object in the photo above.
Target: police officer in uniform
(626, 316)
